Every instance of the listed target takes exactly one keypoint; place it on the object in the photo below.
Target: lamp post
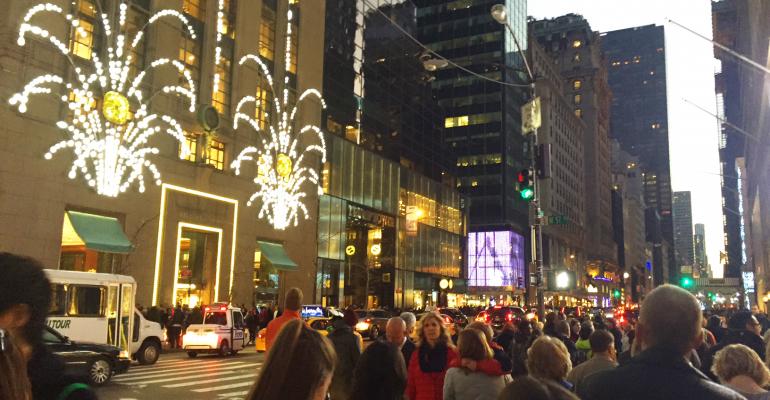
(500, 14)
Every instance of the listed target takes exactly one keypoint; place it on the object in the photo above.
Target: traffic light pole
(536, 231)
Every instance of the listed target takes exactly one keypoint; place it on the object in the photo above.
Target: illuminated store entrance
(199, 252)
(370, 258)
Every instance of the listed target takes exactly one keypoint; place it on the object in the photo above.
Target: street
(177, 376)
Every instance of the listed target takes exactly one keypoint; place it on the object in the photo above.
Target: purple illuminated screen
(495, 259)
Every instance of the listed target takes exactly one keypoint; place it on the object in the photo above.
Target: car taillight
(509, 317)
(447, 319)
(368, 320)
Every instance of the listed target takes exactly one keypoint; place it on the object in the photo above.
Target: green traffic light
(687, 282)
(616, 293)
(527, 193)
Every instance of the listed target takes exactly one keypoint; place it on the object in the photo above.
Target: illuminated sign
(748, 282)
(350, 250)
(495, 259)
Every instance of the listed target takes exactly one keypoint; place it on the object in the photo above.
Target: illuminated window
(293, 50)
(195, 9)
(577, 43)
(579, 112)
(136, 18)
(191, 143)
(577, 84)
(221, 98)
(216, 154)
(475, 183)
(637, 59)
(655, 125)
(267, 33)
(449, 122)
(576, 58)
(616, 63)
(84, 37)
(228, 23)
(578, 99)
(189, 55)
(264, 98)
(452, 122)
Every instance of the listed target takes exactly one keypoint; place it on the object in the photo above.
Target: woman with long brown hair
(299, 366)
(14, 384)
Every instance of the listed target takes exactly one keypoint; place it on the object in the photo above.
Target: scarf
(433, 359)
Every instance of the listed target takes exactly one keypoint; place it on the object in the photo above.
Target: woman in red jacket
(434, 355)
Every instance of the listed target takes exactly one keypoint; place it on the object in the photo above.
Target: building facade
(636, 64)
(392, 223)
(576, 50)
(683, 234)
(194, 239)
(701, 264)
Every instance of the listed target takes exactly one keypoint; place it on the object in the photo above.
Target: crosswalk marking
(234, 385)
(180, 378)
(229, 378)
(233, 394)
(164, 368)
(180, 372)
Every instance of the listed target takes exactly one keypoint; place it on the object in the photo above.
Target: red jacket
(274, 327)
(430, 385)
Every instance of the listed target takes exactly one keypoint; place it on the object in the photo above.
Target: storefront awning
(276, 255)
(95, 232)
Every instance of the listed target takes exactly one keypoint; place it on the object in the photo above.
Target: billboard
(496, 259)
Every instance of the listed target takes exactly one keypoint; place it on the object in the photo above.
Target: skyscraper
(699, 256)
(636, 60)
(575, 48)
(683, 238)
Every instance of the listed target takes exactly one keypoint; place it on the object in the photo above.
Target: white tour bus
(100, 308)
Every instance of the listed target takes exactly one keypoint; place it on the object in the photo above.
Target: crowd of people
(670, 352)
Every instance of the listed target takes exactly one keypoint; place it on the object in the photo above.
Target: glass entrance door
(198, 258)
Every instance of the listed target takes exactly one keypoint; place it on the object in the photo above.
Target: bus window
(112, 313)
(135, 333)
(86, 301)
(58, 300)
(126, 311)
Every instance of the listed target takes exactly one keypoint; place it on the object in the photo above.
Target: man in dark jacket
(742, 328)
(348, 350)
(395, 332)
(669, 329)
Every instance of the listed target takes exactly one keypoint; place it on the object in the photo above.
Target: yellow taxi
(322, 325)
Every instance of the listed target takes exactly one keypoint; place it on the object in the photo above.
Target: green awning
(276, 256)
(99, 233)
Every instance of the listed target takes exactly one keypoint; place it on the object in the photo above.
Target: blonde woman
(463, 384)
(739, 368)
(548, 358)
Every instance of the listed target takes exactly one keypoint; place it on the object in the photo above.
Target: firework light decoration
(284, 164)
(110, 143)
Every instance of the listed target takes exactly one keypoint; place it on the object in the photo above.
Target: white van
(100, 308)
(223, 331)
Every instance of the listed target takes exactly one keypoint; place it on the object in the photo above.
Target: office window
(267, 33)
(228, 22)
(195, 9)
(579, 113)
(84, 37)
(136, 18)
(191, 143)
(189, 55)
(577, 84)
(578, 99)
(293, 49)
(216, 154)
(452, 122)
(655, 125)
(220, 99)
(264, 99)
(577, 43)
(576, 58)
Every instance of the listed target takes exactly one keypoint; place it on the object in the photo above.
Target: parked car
(93, 362)
(372, 322)
(498, 316)
(222, 332)
(458, 317)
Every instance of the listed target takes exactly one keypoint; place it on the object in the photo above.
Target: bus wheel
(192, 354)
(148, 353)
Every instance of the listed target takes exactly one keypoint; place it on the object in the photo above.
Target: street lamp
(500, 14)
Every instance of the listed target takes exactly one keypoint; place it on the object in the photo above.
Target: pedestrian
(531, 388)
(742, 328)
(380, 373)
(462, 383)
(25, 296)
(252, 323)
(583, 345)
(603, 358)
(430, 360)
(522, 340)
(411, 320)
(574, 329)
(548, 358)
(348, 350)
(299, 366)
(669, 328)
(176, 323)
(292, 305)
(498, 354)
(395, 332)
(563, 334)
(263, 318)
(740, 368)
(612, 327)
(14, 383)
(505, 337)
(549, 326)
(714, 326)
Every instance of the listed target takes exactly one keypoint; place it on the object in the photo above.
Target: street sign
(530, 116)
(350, 250)
(557, 220)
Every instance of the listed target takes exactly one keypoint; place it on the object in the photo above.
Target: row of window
(465, 120)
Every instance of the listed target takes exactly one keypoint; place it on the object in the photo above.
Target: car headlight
(362, 326)
(123, 354)
(530, 316)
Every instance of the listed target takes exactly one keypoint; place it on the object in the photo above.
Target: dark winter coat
(655, 374)
(348, 351)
